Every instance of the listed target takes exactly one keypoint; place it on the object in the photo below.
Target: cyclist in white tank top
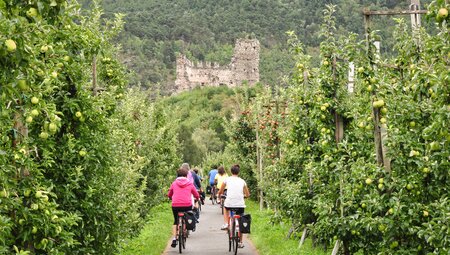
(237, 190)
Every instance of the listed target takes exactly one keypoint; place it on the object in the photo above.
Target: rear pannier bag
(244, 223)
(190, 220)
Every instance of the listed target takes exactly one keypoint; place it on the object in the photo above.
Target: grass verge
(153, 238)
(271, 239)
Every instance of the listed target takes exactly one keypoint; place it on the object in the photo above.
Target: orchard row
(364, 163)
(82, 159)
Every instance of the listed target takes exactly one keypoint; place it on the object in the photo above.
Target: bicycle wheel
(234, 242)
(185, 238)
(180, 235)
(213, 196)
(236, 236)
(229, 239)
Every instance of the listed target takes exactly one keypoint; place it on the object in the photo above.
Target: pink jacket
(180, 192)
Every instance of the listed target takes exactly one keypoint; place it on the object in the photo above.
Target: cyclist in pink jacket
(180, 193)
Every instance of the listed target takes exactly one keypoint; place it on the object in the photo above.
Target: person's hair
(235, 169)
(221, 170)
(196, 170)
(182, 172)
(185, 166)
(214, 167)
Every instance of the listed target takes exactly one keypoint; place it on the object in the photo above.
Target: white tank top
(235, 192)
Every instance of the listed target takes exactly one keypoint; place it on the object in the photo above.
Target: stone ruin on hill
(244, 67)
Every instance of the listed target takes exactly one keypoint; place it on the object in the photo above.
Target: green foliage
(68, 152)
(203, 114)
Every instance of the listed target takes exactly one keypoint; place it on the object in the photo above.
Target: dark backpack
(244, 223)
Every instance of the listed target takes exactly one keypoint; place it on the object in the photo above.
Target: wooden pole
(259, 166)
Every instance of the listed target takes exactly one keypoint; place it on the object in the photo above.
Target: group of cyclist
(186, 192)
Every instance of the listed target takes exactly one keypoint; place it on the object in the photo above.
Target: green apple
(34, 113)
(442, 13)
(391, 211)
(434, 146)
(384, 110)
(27, 193)
(34, 100)
(52, 127)
(10, 45)
(369, 181)
(54, 74)
(394, 244)
(82, 153)
(78, 114)
(3, 193)
(34, 230)
(29, 119)
(22, 84)
(44, 48)
(425, 214)
(43, 135)
(32, 12)
(38, 194)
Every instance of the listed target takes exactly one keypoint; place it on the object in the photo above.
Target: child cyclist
(181, 192)
(237, 190)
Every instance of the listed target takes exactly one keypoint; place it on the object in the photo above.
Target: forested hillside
(156, 30)
(204, 115)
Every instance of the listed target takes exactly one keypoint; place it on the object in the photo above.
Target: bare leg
(174, 231)
(226, 216)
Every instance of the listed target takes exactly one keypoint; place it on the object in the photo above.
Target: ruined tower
(245, 62)
(244, 66)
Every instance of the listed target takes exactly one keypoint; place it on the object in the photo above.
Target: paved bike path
(208, 238)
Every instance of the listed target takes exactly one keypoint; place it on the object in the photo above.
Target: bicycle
(182, 231)
(213, 194)
(234, 233)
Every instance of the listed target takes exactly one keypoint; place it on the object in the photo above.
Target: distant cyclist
(181, 192)
(220, 177)
(211, 178)
(198, 185)
(192, 176)
(237, 190)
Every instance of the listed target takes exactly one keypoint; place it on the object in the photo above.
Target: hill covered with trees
(155, 31)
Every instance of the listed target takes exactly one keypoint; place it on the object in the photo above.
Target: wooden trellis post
(380, 131)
